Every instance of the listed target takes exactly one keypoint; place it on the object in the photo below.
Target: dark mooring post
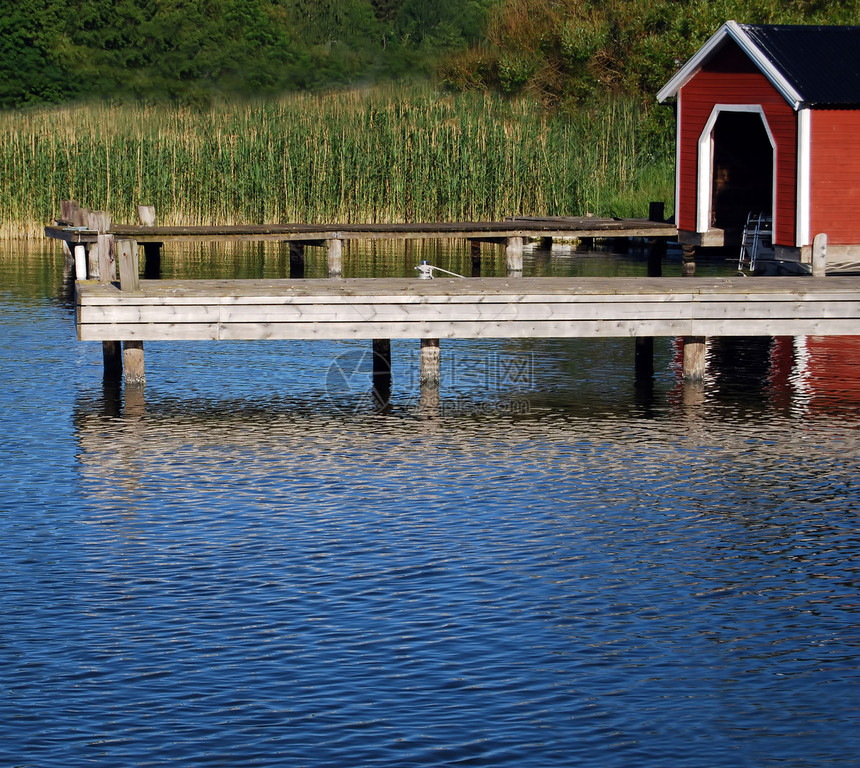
(475, 246)
(152, 261)
(297, 261)
(381, 373)
(644, 355)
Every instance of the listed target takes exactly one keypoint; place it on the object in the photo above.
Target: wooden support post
(80, 261)
(297, 261)
(586, 243)
(129, 268)
(695, 348)
(129, 280)
(132, 359)
(656, 251)
(335, 257)
(112, 356)
(819, 255)
(152, 261)
(430, 358)
(644, 354)
(688, 260)
(657, 245)
(546, 243)
(656, 211)
(475, 247)
(381, 373)
(644, 358)
(514, 255)
(111, 350)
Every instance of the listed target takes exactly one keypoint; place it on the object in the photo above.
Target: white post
(80, 262)
(819, 255)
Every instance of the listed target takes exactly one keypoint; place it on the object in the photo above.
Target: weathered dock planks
(388, 308)
(319, 234)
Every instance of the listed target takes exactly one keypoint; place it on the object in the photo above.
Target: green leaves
(194, 51)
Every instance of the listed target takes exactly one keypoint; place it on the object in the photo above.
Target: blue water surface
(549, 565)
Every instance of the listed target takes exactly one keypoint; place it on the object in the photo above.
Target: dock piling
(132, 360)
(475, 250)
(695, 353)
(430, 359)
(381, 373)
(335, 257)
(297, 261)
(514, 255)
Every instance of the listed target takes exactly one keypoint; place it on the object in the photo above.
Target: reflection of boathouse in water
(768, 122)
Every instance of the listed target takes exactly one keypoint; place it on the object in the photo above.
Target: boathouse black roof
(822, 63)
(811, 65)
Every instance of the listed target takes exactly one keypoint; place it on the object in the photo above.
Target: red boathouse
(768, 121)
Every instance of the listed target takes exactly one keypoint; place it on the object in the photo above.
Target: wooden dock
(454, 308)
(81, 229)
(125, 314)
(401, 308)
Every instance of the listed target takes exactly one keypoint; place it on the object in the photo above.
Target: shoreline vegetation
(381, 154)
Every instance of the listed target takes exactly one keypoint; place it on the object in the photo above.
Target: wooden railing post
(129, 265)
(129, 280)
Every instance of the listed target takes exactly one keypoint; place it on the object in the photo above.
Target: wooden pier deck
(124, 315)
(396, 308)
(319, 234)
(82, 229)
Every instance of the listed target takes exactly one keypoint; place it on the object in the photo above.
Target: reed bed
(381, 155)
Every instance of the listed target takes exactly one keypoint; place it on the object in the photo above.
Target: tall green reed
(381, 155)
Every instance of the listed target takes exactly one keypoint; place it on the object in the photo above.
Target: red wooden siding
(835, 183)
(730, 78)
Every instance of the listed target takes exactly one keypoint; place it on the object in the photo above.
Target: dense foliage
(576, 50)
(55, 51)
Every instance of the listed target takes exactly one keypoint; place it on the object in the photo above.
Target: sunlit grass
(378, 155)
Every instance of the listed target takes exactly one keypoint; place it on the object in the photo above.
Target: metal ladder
(758, 234)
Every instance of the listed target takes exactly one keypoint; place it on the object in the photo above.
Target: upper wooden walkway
(318, 234)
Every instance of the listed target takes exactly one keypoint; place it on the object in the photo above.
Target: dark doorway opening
(742, 172)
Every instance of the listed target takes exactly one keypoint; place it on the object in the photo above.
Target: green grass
(383, 155)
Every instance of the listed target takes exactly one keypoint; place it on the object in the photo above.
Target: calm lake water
(247, 565)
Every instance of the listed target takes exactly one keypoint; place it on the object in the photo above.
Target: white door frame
(705, 169)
